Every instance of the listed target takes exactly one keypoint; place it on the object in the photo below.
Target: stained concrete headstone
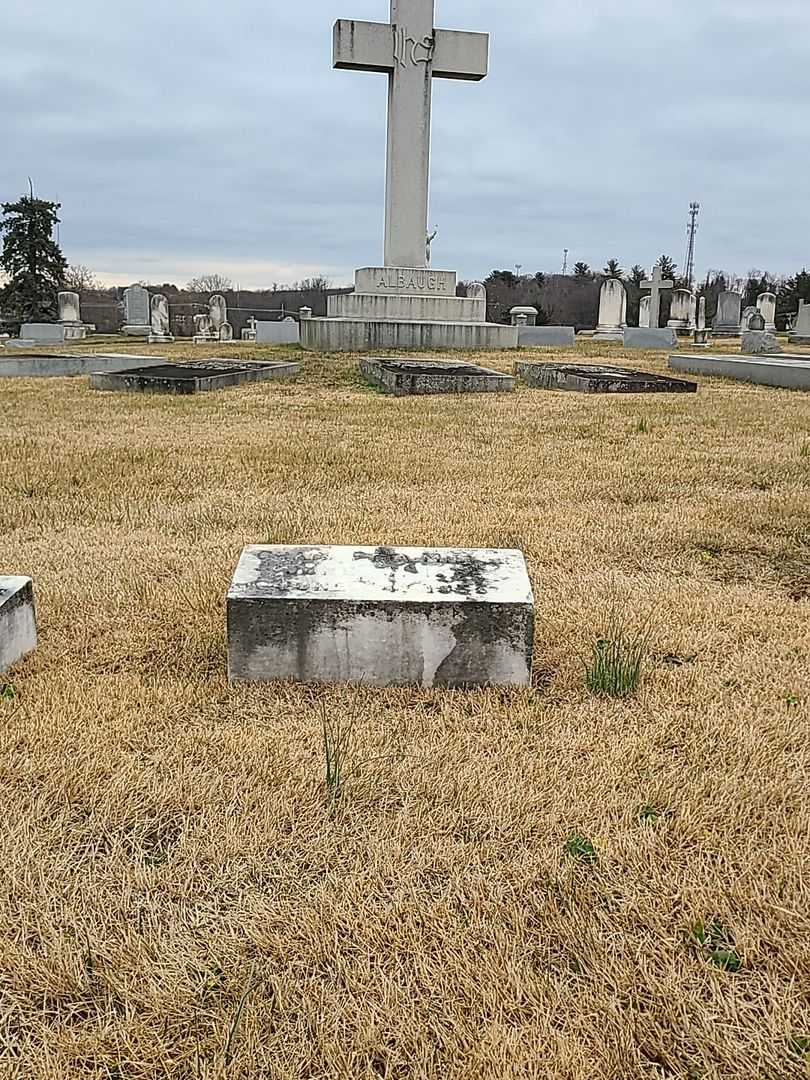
(727, 320)
(384, 616)
(656, 285)
(745, 318)
(758, 342)
(766, 302)
(18, 624)
(612, 311)
(137, 316)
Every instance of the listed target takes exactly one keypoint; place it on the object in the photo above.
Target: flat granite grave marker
(648, 337)
(381, 615)
(18, 624)
(599, 379)
(195, 378)
(529, 336)
(789, 372)
(405, 377)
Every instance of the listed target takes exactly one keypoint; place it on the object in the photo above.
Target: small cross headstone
(656, 286)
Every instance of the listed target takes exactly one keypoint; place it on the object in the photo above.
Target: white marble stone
(644, 313)
(218, 310)
(41, 334)
(69, 307)
(786, 371)
(766, 302)
(747, 315)
(160, 320)
(382, 616)
(727, 320)
(683, 310)
(529, 313)
(425, 308)
(362, 335)
(137, 318)
(405, 281)
(18, 624)
(800, 334)
(284, 332)
(612, 311)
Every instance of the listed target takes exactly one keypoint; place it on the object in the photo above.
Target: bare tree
(80, 279)
(210, 283)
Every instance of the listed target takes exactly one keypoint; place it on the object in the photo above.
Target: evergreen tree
(613, 269)
(669, 268)
(637, 275)
(582, 271)
(32, 260)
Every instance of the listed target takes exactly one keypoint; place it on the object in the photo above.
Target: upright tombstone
(161, 326)
(727, 320)
(137, 319)
(800, 334)
(612, 311)
(656, 285)
(214, 326)
(70, 316)
(701, 334)
(528, 314)
(766, 302)
(682, 312)
(249, 333)
(745, 318)
(18, 624)
(406, 303)
(644, 313)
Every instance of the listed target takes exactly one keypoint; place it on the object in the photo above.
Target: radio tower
(565, 261)
(691, 232)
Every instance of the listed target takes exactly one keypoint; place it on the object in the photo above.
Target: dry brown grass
(178, 899)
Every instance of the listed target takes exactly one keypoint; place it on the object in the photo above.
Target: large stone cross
(656, 287)
(412, 53)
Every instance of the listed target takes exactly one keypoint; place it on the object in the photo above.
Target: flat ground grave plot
(405, 377)
(42, 365)
(193, 378)
(598, 379)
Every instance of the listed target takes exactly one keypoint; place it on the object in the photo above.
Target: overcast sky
(197, 136)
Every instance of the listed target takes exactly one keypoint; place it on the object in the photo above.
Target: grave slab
(18, 625)
(42, 365)
(644, 337)
(383, 616)
(788, 371)
(546, 335)
(406, 377)
(284, 332)
(195, 378)
(599, 379)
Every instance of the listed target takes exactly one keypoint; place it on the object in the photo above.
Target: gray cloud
(202, 136)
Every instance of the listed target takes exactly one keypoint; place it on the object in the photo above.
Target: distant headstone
(756, 342)
(529, 336)
(40, 334)
(476, 290)
(69, 308)
(800, 334)
(18, 624)
(647, 337)
(701, 333)
(277, 333)
(612, 311)
(682, 311)
(249, 332)
(727, 320)
(766, 302)
(656, 285)
(218, 310)
(745, 318)
(530, 314)
(644, 313)
(160, 320)
(384, 616)
(137, 318)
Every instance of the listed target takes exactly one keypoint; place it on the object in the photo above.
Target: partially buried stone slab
(599, 379)
(380, 615)
(194, 378)
(546, 335)
(405, 377)
(18, 626)
(647, 337)
(789, 371)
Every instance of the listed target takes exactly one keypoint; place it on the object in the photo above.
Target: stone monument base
(137, 331)
(18, 625)
(405, 308)
(160, 339)
(381, 616)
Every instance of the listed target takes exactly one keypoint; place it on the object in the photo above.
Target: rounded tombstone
(756, 321)
(530, 313)
(476, 290)
(226, 332)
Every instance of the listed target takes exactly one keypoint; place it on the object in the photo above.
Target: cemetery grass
(542, 883)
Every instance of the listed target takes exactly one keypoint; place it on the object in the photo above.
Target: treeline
(573, 299)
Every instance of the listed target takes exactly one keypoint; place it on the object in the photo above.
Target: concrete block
(406, 377)
(284, 332)
(786, 371)
(64, 365)
(18, 624)
(362, 335)
(599, 379)
(405, 281)
(546, 335)
(381, 615)
(644, 337)
(194, 378)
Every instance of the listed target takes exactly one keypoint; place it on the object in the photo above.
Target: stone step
(401, 307)
(360, 335)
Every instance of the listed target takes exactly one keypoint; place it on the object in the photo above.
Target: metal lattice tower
(565, 261)
(691, 232)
